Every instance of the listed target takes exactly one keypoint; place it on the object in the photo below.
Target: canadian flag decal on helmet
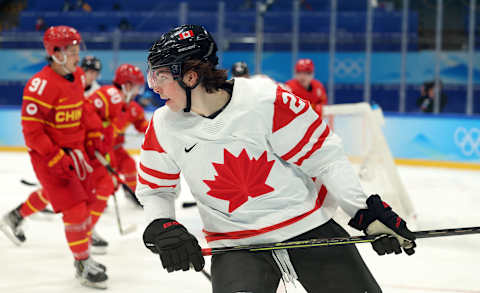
(185, 35)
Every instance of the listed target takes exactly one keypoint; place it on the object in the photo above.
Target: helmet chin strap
(128, 94)
(188, 92)
(62, 62)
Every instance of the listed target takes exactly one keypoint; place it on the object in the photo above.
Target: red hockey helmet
(304, 65)
(128, 73)
(60, 37)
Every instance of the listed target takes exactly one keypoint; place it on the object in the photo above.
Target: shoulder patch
(287, 107)
(98, 102)
(31, 109)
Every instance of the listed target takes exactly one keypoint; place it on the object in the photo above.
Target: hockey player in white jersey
(262, 166)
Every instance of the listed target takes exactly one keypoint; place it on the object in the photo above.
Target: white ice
(444, 198)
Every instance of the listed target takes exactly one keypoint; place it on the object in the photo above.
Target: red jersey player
(306, 87)
(56, 124)
(115, 105)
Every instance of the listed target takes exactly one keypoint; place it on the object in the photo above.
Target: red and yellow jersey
(53, 112)
(316, 94)
(132, 113)
(108, 102)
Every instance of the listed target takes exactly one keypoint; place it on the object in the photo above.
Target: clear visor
(74, 49)
(157, 77)
(135, 90)
(140, 89)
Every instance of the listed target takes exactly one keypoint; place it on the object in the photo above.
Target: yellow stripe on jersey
(75, 124)
(57, 158)
(31, 206)
(48, 106)
(104, 102)
(40, 195)
(101, 197)
(78, 242)
(69, 106)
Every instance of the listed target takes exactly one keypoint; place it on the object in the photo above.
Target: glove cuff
(376, 209)
(158, 227)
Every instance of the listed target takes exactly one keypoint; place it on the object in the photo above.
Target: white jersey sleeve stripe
(304, 141)
(158, 174)
(153, 185)
(150, 159)
(315, 147)
(156, 180)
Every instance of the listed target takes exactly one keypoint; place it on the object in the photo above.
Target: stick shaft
(29, 183)
(105, 163)
(112, 171)
(337, 241)
(117, 214)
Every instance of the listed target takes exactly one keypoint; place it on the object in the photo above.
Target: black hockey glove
(177, 248)
(379, 218)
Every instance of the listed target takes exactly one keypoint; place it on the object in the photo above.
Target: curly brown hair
(212, 79)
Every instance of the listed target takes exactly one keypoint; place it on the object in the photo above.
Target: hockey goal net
(359, 127)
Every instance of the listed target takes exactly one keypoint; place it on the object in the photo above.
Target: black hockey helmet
(91, 63)
(183, 43)
(240, 69)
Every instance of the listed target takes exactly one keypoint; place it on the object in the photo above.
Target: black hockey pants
(338, 269)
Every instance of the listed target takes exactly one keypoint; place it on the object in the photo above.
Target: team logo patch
(98, 103)
(31, 109)
(186, 35)
(240, 178)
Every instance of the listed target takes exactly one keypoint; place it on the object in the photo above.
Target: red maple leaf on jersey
(239, 178)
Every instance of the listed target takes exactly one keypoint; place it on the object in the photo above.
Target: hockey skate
(10, 224)
(89, 273)
(98, 245)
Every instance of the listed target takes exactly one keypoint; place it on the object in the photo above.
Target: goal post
(360, 128)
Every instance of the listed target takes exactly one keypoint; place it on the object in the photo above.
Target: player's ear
(190, 78)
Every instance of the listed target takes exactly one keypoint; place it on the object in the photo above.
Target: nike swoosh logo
(61, 100)
(190, 148)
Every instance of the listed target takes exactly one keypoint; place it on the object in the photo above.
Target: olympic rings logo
(468, 140)
(348, 67)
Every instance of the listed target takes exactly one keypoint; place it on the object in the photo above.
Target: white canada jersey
(265, 169)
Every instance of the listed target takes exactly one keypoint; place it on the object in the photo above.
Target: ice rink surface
(443, 198)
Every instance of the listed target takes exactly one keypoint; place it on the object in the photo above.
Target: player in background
(262, 166)
(36, 200)
(114, 103)
(57, 124)
(305, 86)
(92, 67)
(240, 69)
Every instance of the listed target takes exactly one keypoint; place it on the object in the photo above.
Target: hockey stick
(28, 183)
(112, 171)
(189, 204)
(207, 275)
(337, 241)
(105, 163)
